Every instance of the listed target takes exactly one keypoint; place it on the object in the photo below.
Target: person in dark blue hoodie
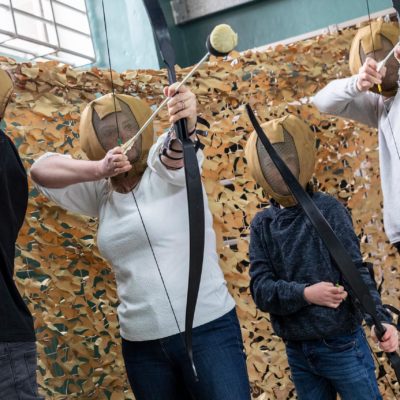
(294, 279)
(17, 337)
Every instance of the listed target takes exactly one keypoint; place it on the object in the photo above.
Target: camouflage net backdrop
(70, 288)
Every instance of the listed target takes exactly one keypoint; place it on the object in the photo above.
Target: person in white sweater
(371, 96)
(150, 179)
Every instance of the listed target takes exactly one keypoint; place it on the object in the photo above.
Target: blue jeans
(18, 371)
(160, 369)
(343, 365)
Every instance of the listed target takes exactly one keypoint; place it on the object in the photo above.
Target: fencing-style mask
(6, 89)
(295, 143)
(385, 36)
(99, 134)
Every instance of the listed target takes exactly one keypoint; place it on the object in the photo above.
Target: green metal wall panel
(266, 21)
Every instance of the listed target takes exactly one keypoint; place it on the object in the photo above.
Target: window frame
(53, 48)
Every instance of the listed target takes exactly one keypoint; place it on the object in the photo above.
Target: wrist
(191, 132)
(171, 133)
(171, 147)
(357, 85)
(98, 171)
(306, 293)
(191, 127)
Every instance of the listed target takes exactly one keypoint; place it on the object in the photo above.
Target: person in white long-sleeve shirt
(152, 180)
(358, 98)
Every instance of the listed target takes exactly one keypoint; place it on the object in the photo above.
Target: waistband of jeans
(356, 330)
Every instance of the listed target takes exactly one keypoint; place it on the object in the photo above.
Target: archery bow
(194, 194)
(192, 175)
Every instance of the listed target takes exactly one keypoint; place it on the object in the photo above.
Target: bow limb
(396, 6)
(192, 175)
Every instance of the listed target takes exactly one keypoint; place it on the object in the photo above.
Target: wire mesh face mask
(98, 132)
(6, 89)
(287, 151)
(376, 40)
(108, 134)
(390, 80)
(295, 143)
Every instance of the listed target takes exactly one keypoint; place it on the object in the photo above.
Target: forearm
(336, 95)
(269, 292)
(383, 314)
(278, 297)
(342, 98)
(171, 153)
(57, 171)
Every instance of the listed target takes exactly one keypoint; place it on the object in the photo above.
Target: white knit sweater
(341, 97)
(144, 311)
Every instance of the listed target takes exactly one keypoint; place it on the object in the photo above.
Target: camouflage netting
(69, 287)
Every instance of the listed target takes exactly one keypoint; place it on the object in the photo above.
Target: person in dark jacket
(18, 361)
(294, 278)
